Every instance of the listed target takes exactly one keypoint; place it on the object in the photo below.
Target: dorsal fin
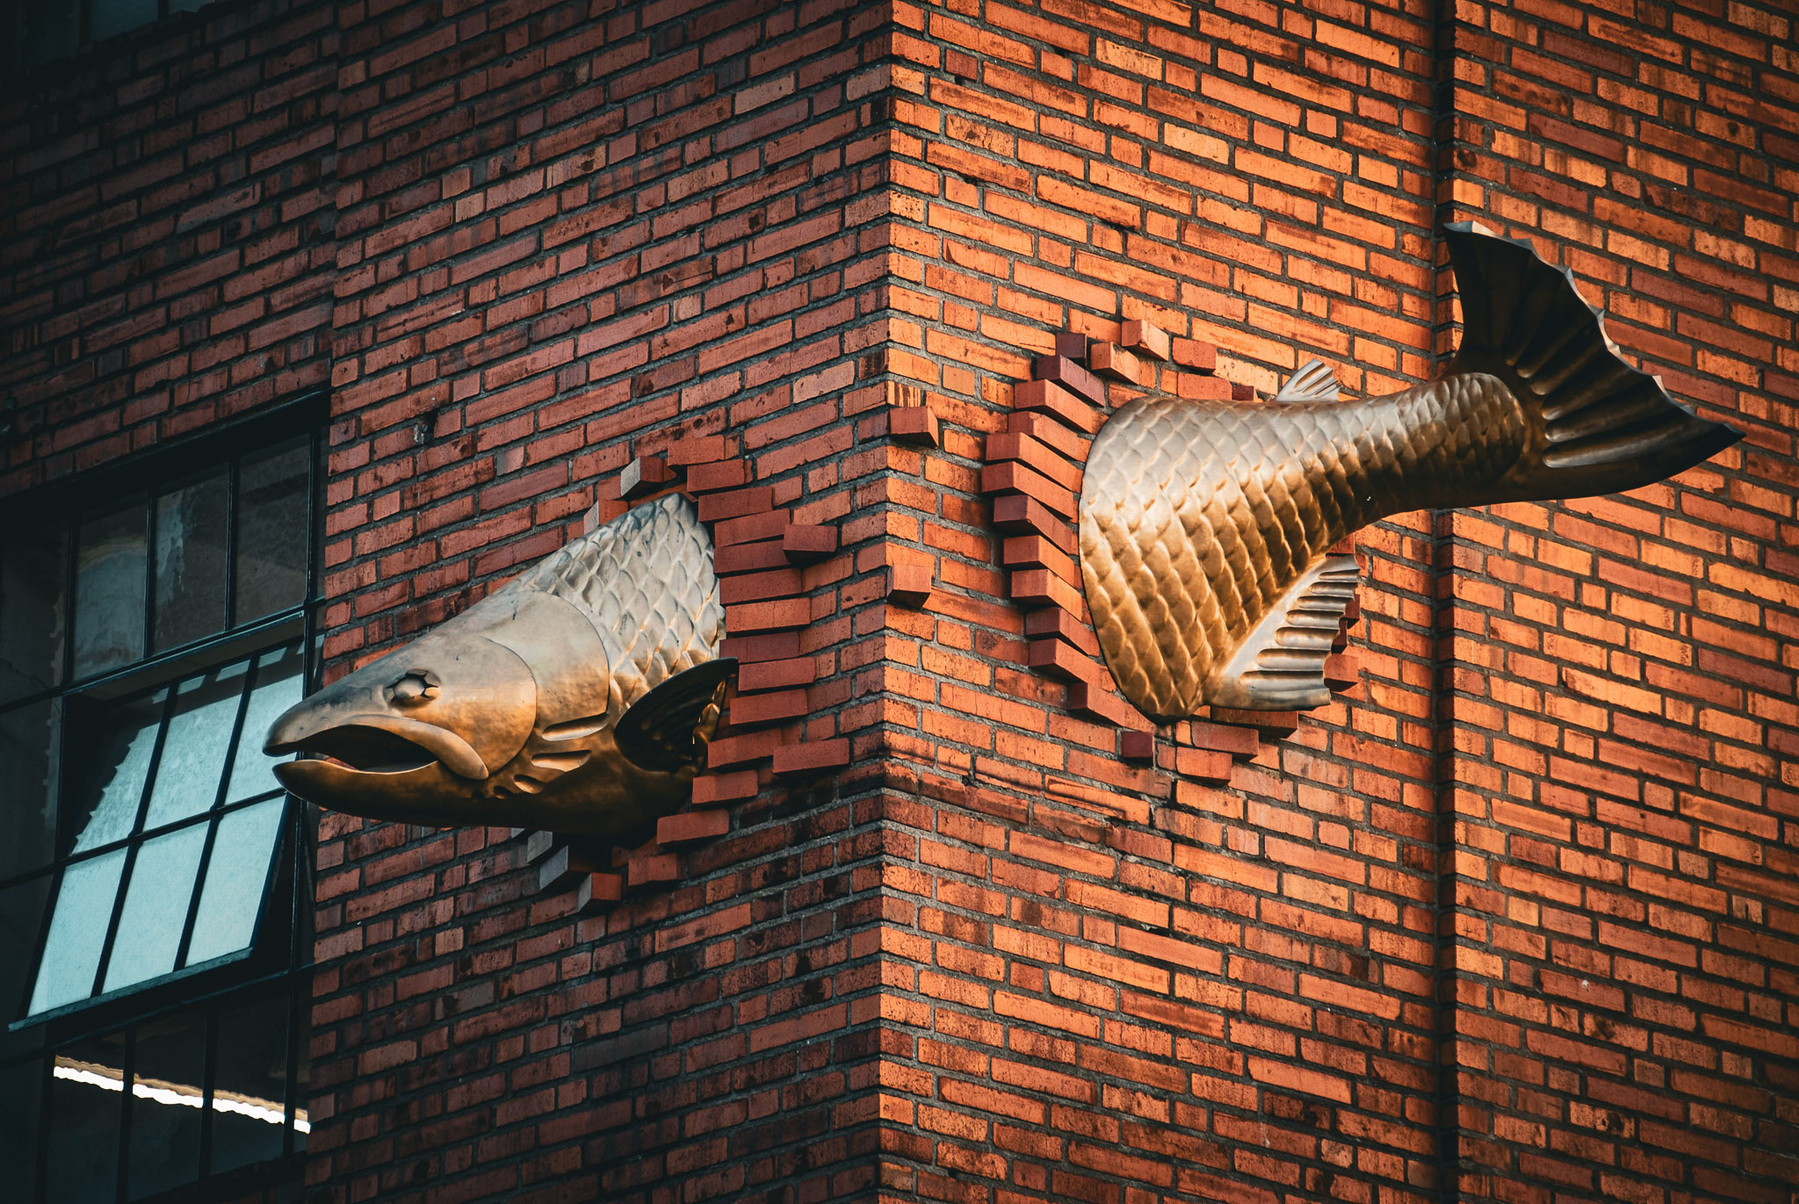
(1280, 665)
(1311, 381)
(668, 727)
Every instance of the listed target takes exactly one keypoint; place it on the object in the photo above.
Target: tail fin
(1597, 425)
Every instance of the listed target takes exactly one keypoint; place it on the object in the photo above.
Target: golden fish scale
(646, 581)
(1196, 517)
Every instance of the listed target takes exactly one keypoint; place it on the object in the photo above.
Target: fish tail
(1595, 424)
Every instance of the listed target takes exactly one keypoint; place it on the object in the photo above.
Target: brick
(1052, 399)
(642, 476)
(1111, 360)
(717, 476)
(811, 757)
(1012, 477)
(736, 503)
(909, 584)
(807, 543)
(1145, 339)
(776, 675)
(690, 827)
(783, 614)
(1060, 659)
(646, 869)
(719, 789)
(780, 706)
(915, 425)
(1060, 370)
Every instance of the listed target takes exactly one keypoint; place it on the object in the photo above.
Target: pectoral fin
(1312, 381)
(667, 729)
(1280, 665)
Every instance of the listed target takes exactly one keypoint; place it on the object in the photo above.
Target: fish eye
(414, 688)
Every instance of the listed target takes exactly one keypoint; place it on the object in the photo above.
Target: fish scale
(1259, 493)
(646, 581)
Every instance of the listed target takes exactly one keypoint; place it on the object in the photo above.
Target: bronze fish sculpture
(578, 699)
(1205, 527)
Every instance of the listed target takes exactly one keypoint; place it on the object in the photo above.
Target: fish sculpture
(1205, 527)
(577, 699)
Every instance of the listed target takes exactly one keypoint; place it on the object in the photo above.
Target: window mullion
(208, 1085)
(137, 828)
(218, 799)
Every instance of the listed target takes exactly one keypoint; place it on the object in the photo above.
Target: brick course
(1513, 916)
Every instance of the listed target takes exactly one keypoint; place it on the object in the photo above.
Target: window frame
(274, 967)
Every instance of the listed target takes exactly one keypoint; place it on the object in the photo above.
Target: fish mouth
(376, 745)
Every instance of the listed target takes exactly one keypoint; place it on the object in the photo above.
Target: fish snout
(458, 701)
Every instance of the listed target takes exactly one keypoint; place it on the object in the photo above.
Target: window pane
(52, 31)
(77, 930)
(109, 591)
(31, 611)
(106, 805)
(28, 787)
(249, 1100)
(198, 745)
(156, 902)
(271, 531)
(236, 877)
(168, 1075)
(87, 1094)
(278, 687)
(190, 562)
(116, 16)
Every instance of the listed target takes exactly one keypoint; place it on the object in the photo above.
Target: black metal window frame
(207, 1002)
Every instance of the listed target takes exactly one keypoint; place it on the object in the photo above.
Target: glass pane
(249, 1097)
(156, 901)
(77, 930)
(87, 1096)
(198, 745)
(109, 591)
(31, 611)
(271, 531)
(21, 1101)
(28, 788)
(190, 562)
(116, 16)
(168, 1073)
(106, 803)
(237, 875)
(278, 687)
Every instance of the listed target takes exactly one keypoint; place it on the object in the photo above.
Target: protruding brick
(1013, 477)
(1194, 356)
(1073, 344)
(718, 475)
(1146, 339)
(646, 868)
(909, 584)
(696, 449)
(687, 827)
(764, 646)
(777, 675)
(805, 543)
(1059, 659)
(779, 706)
(1277, 722)
(781, 614)
(1137, 746)
(1047, 397)
(1018, 513)
(811, 757)
(1109, 359)
(736, 503)
(915, 424)
(1039, 457)
(644, 475)
(1040, 587)
(1061, 370)
(1094, 699)
(720, 789)
(596, 892)
(1064, 625)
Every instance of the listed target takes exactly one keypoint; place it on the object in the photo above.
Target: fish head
(436, 731)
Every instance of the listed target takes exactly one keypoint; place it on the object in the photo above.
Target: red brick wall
(1626, 939)
(1546, 840)
(165, 235)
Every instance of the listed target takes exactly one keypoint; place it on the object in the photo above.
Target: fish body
(1205, 527)
(577, 699)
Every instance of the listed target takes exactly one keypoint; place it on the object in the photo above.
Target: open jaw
(379, 744)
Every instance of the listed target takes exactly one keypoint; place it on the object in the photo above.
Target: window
(154, 878)
(39, 31)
